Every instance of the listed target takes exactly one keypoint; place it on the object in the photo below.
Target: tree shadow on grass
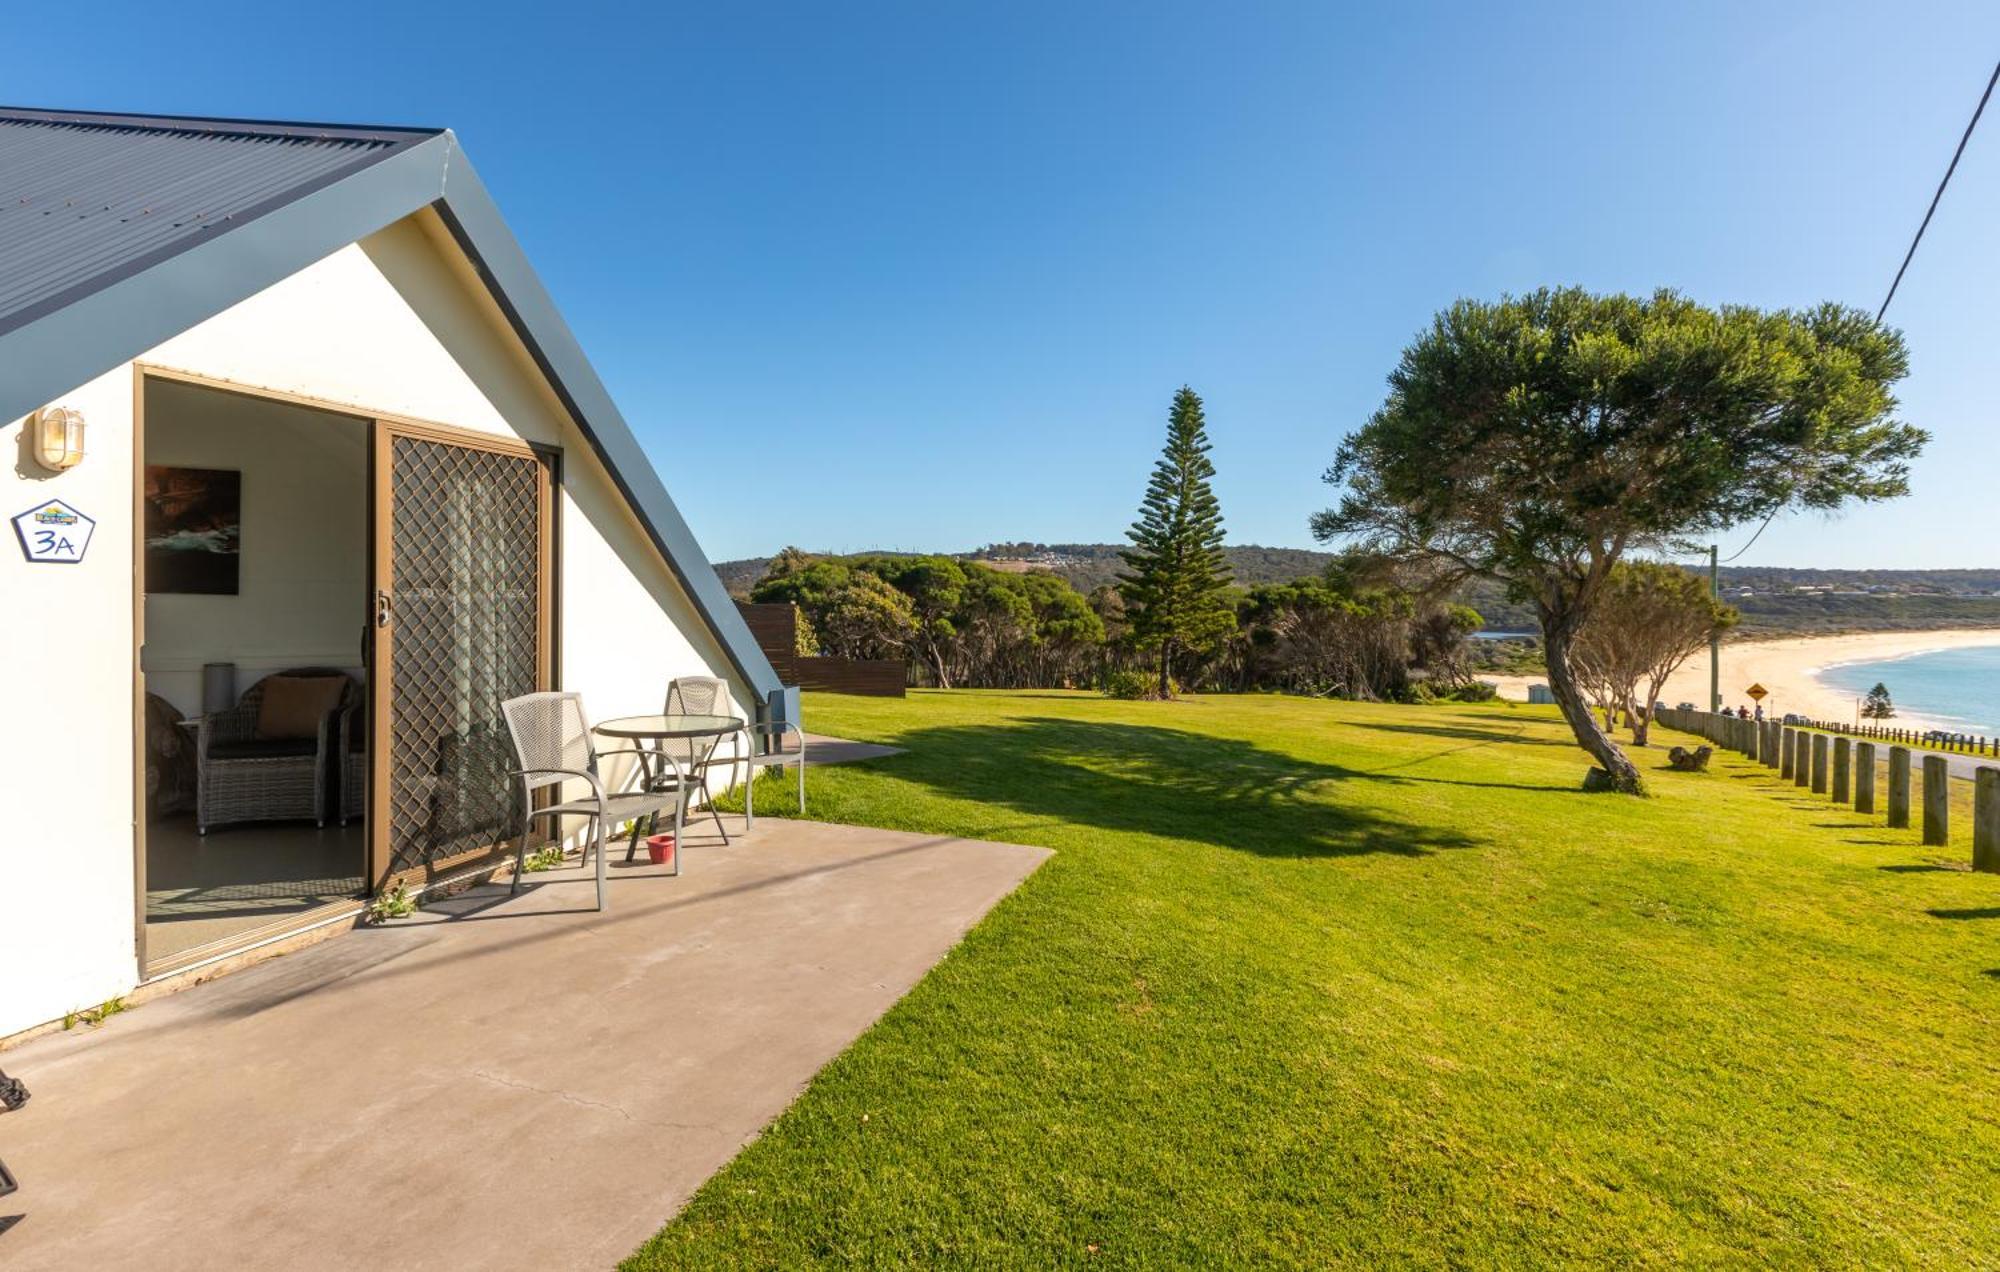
(1517, 738)
(1152, 780)
(1974, 912)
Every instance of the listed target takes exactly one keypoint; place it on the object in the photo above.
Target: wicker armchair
(242, 776)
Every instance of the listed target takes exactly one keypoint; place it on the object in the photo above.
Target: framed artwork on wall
(194, 529)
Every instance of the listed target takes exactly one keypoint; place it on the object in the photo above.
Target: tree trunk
(937, 664)
(1624, 775)
(1166, 669)
(1640, 720)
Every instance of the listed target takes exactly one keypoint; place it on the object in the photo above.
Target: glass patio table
(661, 728)
(702, 733)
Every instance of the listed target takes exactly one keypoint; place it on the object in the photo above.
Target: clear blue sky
(926, 276)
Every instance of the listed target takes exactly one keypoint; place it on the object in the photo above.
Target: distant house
(288, 398)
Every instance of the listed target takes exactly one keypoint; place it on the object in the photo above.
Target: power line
(1753, 539)
(1977, 111)
(1910, 255)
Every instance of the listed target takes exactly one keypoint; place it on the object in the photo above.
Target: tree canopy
(1649, 620)
(1345, 633)
(1539, 439)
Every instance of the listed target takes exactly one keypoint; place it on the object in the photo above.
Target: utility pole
(1714, 637)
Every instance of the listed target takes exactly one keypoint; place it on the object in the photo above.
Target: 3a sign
(1757, 693)
(54, 533)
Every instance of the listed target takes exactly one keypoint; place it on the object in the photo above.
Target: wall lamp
(58, 437)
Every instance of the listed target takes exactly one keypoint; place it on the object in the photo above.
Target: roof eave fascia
(474, 221)
(121, 320)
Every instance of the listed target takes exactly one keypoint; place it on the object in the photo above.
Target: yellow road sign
(1758, 692)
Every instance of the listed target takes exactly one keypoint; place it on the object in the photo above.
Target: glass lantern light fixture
(58, 437)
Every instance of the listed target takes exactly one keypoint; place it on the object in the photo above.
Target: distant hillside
(1085, 565)
(1774, 600)
(1089, 565)
(738, 577)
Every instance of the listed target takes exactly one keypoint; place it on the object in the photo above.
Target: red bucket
(660, 848)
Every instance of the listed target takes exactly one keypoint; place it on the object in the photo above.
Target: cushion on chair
(262, 748)
(293, 706)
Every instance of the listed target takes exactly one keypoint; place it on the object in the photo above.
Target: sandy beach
(1787, 668)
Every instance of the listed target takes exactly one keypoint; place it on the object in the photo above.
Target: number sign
(54, 533)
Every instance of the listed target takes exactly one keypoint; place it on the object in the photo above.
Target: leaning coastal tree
(1176, 579)
(1650, 618)
(1538, 440)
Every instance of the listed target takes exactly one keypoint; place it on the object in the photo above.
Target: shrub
(396, 903)
(1424, 692)
(1127, 684)
(1136, 686)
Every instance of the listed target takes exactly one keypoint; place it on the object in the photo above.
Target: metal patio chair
(700, 695)
(772, 754)
(756, 746)
(554, 743)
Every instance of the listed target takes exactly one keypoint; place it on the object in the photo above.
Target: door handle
(382, 608)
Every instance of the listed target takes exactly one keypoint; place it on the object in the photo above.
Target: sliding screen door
(462, 622)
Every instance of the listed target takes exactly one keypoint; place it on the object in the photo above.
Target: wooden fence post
(1986, 819)
(1802, 770)
(1843, 760)
(1899, 787)
(1937, 800)
(1819, 766)
(1773, 741)
(1864, 777)
(1788, 754)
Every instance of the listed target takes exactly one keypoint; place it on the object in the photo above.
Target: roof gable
(254, 204)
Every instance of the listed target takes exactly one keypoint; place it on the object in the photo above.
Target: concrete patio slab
(501, 1083)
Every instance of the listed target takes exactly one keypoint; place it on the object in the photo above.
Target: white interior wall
(395, 324)
(302, 598)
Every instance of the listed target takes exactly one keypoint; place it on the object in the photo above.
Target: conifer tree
(1175, 590)
(1879, 705)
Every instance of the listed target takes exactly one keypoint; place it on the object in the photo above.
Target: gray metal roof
(87, 199)
(246, 205)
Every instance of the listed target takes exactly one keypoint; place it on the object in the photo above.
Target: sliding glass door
(462, 621)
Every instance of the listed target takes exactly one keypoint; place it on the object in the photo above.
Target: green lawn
(1312, 982)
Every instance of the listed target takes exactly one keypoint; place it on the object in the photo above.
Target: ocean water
(1957, 687)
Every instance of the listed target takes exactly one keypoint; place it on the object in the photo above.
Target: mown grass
(1313, 983)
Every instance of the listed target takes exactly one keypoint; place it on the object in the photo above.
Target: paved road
(1958, 765)
(1961, 765)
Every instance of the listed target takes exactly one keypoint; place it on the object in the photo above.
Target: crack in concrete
(518, 1085)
